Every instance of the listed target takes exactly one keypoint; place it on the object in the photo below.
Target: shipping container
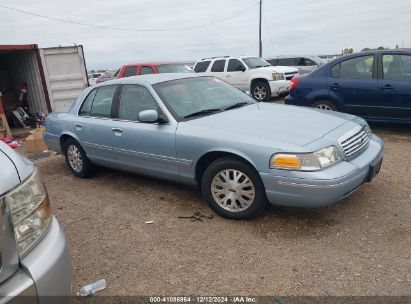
(53, 77)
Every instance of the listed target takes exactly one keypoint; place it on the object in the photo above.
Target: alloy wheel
(260, 92)
(74, 158)
(233, 190)
(323, 106)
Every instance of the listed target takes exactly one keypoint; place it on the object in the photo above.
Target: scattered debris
(92, 288)
(197, 216)
(149, 222)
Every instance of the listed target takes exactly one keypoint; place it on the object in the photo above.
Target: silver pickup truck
(34, 258)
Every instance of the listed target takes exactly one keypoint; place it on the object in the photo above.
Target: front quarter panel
(192, 142)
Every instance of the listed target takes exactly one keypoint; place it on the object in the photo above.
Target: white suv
(247, 73)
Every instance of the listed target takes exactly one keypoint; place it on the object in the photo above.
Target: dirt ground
(360, 246)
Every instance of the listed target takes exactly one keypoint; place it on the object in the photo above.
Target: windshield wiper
(202, 112)
(236, 105)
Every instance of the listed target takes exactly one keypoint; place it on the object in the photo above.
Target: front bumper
(322, 188)
(279, 86)
(44, 272)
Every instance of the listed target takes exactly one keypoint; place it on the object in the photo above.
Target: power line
(126, 29)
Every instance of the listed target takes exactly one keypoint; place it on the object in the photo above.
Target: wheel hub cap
(323, 107)
(74, 158)
(233, 190)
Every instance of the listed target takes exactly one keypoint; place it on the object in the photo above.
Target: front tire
(77, 159)
(324, 105)
(233, 189)
(261, 91)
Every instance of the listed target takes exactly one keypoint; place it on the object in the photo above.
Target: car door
(94, 125)
(217, 69)
(353, 84)
(147, 148)
(395, 86)
(237, 74)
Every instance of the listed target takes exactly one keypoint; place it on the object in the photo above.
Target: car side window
(144, 70)
(202, 66)
(218, 66)
(102, 101)
(396, 67)
(85, 109)
(130, 71)
(355, 68)
(133, 100)
(235, 65)
(308, 62)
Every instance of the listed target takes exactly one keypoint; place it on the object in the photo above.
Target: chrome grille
(354, 141)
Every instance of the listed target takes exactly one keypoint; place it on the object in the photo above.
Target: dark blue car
(375, 85)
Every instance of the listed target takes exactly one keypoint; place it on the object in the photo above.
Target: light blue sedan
(202, 131)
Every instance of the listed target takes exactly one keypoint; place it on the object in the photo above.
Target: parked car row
(304, 64)
(375, 85)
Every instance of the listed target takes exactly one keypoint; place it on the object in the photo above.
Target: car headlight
(278, 76)
(306, 161)
(30, 212)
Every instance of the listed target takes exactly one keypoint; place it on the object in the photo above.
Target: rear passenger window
(218, 66)
(146, 70)
(235, 65)
(102, 101)
(201, 66)
(130, 71)
(355, 68)
(396, 67)
(85, 109)
(133, 100)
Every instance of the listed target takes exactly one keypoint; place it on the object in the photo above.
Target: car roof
(152, 63)
(150, 78)
(225, 57)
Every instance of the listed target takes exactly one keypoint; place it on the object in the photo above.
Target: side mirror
(241, 68)
(148, 116)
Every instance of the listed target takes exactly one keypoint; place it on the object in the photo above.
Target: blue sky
(289, 27)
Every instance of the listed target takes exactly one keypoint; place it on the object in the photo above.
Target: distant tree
(381, 48)
(365, 49)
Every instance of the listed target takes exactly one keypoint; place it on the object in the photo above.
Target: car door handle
(78, 126)
(228, 75)
(117, 131)
(387, 87)
(335, 86)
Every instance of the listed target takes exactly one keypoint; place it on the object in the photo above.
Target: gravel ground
(360, 246)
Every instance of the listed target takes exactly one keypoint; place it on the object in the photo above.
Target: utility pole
(260, 44)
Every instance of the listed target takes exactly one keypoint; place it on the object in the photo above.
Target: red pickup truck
(128, 70)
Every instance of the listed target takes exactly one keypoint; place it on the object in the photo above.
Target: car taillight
(294, 82)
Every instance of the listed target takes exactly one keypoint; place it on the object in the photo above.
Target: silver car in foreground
(201, 131)
(34, 258)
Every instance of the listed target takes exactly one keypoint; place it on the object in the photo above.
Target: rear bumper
(313, 192)
(44, 272)
(279, 86)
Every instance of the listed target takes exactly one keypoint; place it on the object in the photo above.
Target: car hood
(277, 69)
(296, 125)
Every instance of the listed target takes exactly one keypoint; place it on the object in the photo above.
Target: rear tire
(261, 91)
(233, 189)
(77, 159)
(324, 105)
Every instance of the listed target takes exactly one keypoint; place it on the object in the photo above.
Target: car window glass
(308, 62)
(102, 101)
(355, 68)
(273, 61)
(146, 70)
(218, 66)
(133, 100)
(201, 67)
(130, 71)
(396, 67)
(234, 65)
(86, 107)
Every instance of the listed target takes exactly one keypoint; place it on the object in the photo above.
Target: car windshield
(255, 62)
(199, 96)
(173, 68)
